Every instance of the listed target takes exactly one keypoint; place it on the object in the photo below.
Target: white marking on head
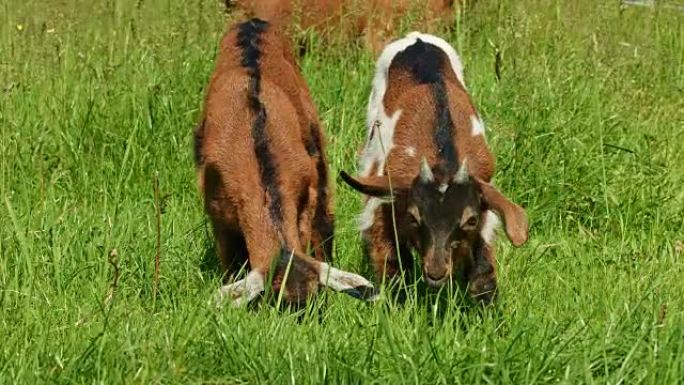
(410, 151)
(462, 174)
(490, 224)
(242, 291)
(478, 126)
(443, 187)
(344, 281)
(367, 216)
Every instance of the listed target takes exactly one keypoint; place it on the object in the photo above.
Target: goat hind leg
(232, 251)
(323, 228)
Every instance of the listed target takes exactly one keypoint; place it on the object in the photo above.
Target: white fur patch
(478, 125)
(242, 291)
(491, 223)
(340, 280)
(410, 151)
(344, 281)
(443, 187)
(381, 143)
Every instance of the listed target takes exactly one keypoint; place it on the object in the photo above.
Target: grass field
(587, 123)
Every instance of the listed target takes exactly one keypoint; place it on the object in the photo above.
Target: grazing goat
(427, 151)
(373, 21)
(262, 170)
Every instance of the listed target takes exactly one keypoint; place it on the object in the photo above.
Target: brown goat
(426, 149)
(374, 22)
(262, 170)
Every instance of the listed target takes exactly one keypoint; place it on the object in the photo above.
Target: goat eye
(414, 216)
(471, 223)
(414, 221)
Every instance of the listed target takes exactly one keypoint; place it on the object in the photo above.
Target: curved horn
(462, 174)
(426, 175)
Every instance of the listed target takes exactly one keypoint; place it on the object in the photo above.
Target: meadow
(97, 105)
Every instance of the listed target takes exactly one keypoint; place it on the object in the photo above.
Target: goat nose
(434, 282)
(435, 277)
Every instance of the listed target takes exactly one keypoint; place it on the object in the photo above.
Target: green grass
(587, 124)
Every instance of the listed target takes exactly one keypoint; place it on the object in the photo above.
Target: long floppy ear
(377, 186)
(515, 219)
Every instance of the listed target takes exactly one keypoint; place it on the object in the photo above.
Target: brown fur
(228, 168)
(415, 126)
(416, 129)
(374, 22)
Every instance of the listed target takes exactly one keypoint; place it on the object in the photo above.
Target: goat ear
(376, 186)
(515, 219)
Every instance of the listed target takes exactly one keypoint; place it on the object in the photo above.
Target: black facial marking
(440, 228)
(249, 41)
(426, 62)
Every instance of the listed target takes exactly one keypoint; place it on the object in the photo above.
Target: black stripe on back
(249, 41)
(425, 62)
(444, 132)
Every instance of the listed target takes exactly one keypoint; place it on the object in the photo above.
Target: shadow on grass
(210, 265)
(443, 305)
